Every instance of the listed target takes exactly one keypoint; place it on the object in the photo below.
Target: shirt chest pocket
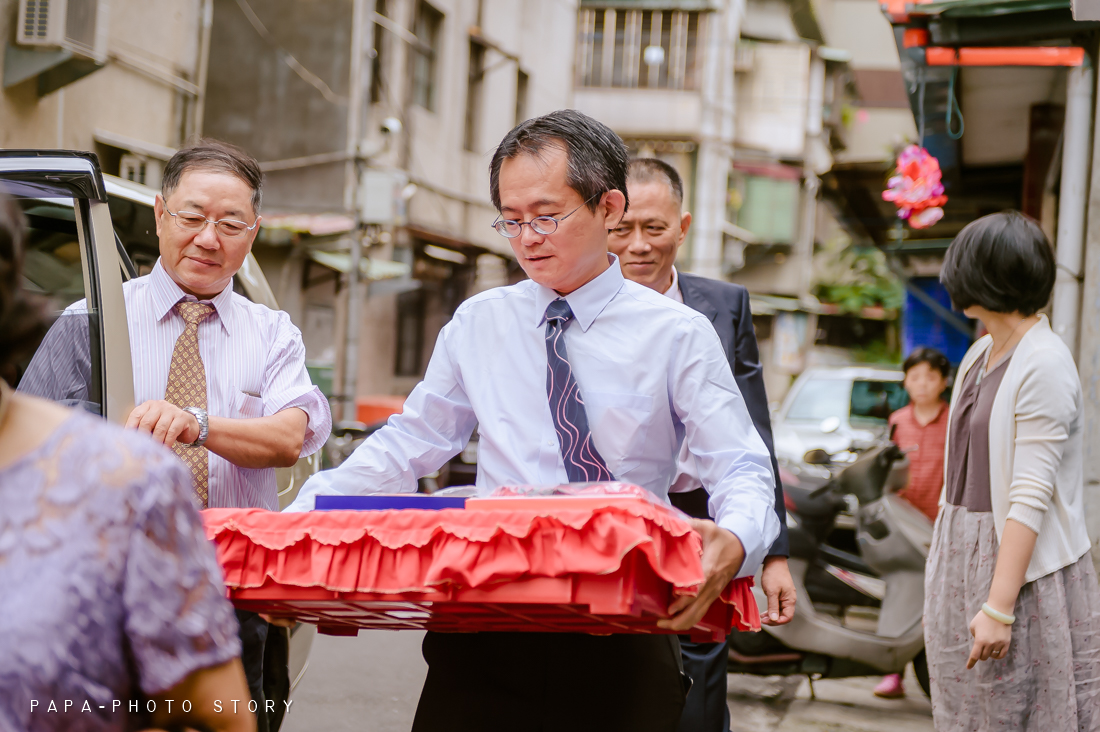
(619, 423)
(248, 406)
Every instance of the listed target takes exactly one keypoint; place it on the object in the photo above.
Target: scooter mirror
(817, 457)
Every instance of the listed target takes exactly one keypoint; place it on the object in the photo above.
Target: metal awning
(370, 269)
(985, 8)
(772, 304)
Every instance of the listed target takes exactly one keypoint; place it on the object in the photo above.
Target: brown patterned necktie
(187, 388)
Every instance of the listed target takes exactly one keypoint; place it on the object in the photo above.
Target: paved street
(371, 683)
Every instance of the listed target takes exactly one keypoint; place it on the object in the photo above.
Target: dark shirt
(968, 450)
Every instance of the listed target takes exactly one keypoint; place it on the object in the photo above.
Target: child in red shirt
(920, 428)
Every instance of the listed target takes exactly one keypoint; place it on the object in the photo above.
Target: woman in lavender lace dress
(111, 595)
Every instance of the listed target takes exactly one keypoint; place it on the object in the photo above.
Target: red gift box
(557, 566)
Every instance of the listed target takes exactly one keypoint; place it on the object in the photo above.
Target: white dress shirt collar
(674, 290)
(166, 293)
(588, 301)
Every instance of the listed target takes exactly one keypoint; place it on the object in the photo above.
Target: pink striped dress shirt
(255, 367)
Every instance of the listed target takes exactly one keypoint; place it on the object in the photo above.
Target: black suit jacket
(727, 306)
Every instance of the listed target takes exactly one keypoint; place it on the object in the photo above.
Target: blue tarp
(921, 326)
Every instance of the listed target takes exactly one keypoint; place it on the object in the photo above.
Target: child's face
(924, 383)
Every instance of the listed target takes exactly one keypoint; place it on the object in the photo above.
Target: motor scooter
(858, 610)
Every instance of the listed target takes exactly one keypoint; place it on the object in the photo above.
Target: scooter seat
(822, 507)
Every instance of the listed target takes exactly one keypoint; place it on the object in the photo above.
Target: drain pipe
(1073, 201)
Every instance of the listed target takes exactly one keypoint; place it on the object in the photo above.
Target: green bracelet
(998, 615)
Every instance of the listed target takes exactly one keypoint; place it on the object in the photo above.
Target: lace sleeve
(177, 617)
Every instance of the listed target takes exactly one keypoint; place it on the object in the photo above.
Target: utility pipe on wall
(207, 25)
(1073, 200)
(352, 171)
(716, 137)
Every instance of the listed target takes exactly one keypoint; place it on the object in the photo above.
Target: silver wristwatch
(204, 425)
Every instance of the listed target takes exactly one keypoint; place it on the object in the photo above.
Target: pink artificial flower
(917, 189)
(926, 217)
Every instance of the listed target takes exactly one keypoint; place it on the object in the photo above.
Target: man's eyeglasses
(543, 225)
(190, 221)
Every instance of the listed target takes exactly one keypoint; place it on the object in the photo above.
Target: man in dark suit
(646, 242)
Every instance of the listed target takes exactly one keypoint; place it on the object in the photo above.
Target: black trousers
(706, 709)
(546, 682)
(254, 631)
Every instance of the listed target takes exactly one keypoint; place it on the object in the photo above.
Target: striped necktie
(187, 388)
(583, 463)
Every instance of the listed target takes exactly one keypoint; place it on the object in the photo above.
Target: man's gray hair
(652, 170)
(210, 154)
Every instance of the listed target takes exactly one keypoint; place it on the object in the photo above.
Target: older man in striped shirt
(219, 379)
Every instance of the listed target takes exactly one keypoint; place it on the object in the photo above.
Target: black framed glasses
(544, 225)
(191, 221)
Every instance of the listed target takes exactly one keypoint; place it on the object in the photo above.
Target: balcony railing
(648, 49)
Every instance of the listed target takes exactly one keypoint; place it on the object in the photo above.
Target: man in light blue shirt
(573, 375)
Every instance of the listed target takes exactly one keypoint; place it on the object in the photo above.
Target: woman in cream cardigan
(1012, 608)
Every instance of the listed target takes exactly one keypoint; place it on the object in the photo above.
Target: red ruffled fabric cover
(633, 554)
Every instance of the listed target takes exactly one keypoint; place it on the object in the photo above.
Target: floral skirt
(1050, 679)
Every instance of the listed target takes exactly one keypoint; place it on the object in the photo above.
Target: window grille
(648, 49)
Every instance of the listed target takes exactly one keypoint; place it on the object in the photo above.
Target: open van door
(71, 255)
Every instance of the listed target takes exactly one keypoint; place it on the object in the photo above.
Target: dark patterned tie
(583, 463)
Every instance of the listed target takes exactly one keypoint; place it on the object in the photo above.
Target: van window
(135, 226)
(819, 399)
(68, 363)
(876, 400)
(860, 400)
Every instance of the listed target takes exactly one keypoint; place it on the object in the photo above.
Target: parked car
(836, 409)
(89, 233)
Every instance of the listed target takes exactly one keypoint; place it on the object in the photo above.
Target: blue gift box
(388, 501)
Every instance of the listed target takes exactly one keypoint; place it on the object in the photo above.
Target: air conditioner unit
(79, 26)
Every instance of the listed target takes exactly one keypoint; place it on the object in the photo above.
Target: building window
(650, 49)
(426, 28)
(766, 206)
(475, 83)
(410, 333)
(522, 79)
(377, 82)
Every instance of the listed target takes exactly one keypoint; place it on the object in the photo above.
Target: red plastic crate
(628, 599)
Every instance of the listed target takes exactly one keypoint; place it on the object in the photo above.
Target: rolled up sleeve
(287, 385)
(731, 458)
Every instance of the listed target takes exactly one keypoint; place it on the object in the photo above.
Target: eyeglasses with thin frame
(191, 221)
(544, 225)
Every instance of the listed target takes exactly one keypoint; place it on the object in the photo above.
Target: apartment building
(375, 121)
(745, 100)
(122, 78)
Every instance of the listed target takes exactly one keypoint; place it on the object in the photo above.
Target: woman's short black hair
(1001, 262)
(597, 157)
(930, 356)
(23, 318)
